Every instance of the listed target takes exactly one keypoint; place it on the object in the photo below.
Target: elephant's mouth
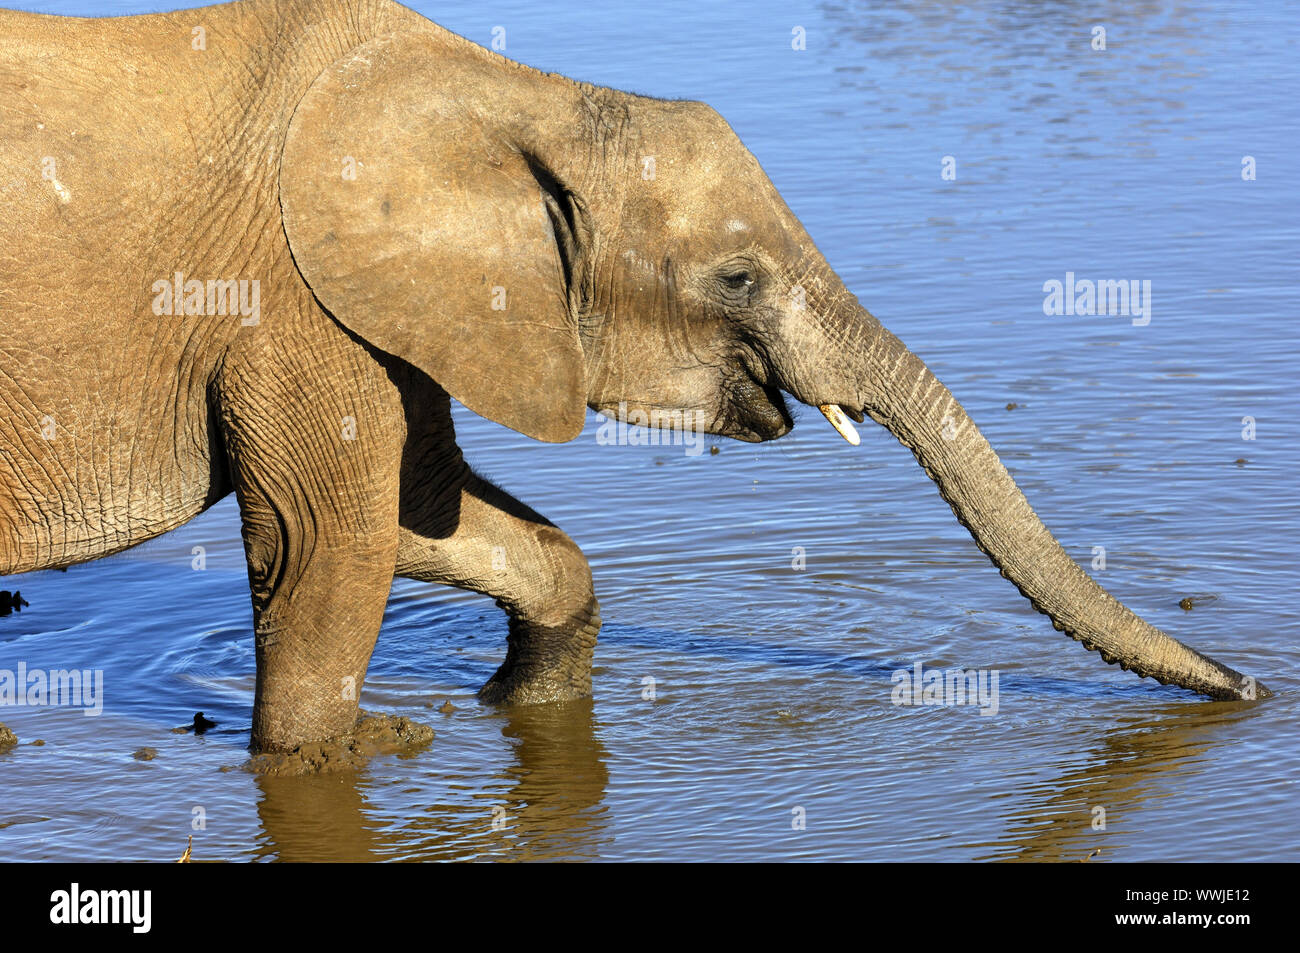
(756, 412)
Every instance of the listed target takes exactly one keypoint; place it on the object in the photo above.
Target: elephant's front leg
(484, 540)
(315, 454)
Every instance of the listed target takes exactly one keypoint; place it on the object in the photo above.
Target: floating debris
(11, 602)
(198, 725)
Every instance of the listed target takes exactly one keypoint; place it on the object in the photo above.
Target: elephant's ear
(427, 232)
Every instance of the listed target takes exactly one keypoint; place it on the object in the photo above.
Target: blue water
(773, 686)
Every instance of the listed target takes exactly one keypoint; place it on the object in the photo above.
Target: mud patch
(374, 735)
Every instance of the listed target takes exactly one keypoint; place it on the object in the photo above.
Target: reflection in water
(555, 804)
(317, 819)
(549, 803)
(1134, 763)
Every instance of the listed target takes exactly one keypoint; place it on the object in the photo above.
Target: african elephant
(260, 246)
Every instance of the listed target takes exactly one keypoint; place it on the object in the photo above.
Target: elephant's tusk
(841, 422)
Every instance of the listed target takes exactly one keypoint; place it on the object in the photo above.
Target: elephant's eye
(738, 280)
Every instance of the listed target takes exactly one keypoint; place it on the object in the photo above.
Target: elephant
(260, 247)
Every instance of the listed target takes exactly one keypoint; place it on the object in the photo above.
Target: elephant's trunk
(903, 395)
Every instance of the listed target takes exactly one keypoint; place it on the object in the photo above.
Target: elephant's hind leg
(491, 543)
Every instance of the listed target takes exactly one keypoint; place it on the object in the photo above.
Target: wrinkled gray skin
(423, 217)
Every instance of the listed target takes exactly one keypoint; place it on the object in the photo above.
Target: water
(773, 685)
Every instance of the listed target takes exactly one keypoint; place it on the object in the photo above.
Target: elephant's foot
(308, 684)
(546, 663)
(372, 735)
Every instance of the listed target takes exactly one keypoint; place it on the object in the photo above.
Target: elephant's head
(538, 245)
